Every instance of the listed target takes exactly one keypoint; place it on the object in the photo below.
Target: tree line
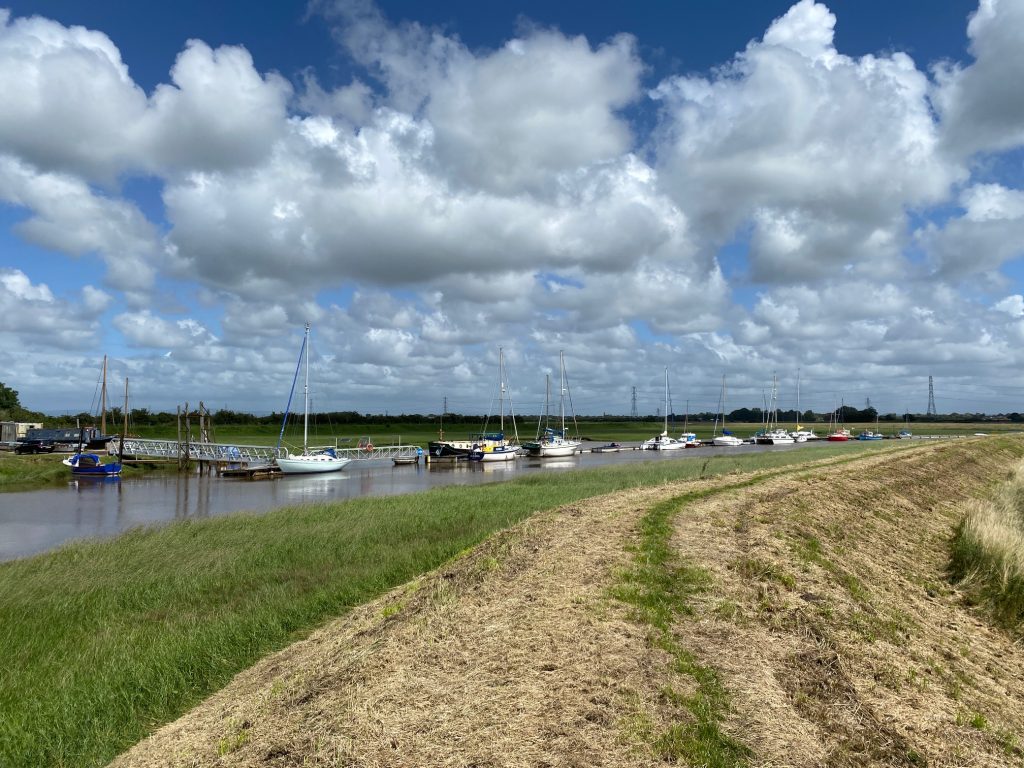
(11, 410)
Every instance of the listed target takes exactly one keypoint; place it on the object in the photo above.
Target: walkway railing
(248, 454)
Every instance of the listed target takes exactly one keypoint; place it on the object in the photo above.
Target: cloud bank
(796, 207)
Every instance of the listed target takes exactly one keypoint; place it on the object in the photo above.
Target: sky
(826, 195)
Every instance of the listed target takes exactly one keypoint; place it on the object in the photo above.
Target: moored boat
(726, 439)
(91, 465)
(311, 460)
(553, 442)
(869, 435)
(663, 442)
(496, 447)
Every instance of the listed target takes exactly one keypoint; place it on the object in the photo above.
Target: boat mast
(798, 398)
(501, 390)
(547, 401)
(721, 410)
(305, 416)
(665, 430)
(561, 393)
(124, 423)
(103, 399)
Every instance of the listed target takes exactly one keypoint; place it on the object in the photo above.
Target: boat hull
(837, 438)
(311, 464)
(558, 450)
(726, 441)
(90, 465)
(500, 453)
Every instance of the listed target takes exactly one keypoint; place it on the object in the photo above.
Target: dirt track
(828, 619)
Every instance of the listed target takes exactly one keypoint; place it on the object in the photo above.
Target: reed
(988, 552)
(103, 641)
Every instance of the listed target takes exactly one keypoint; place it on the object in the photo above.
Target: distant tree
(8, 398)
(747, 414)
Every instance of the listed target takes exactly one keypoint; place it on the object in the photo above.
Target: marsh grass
(31, 471)
(988, 552)
(104, 641)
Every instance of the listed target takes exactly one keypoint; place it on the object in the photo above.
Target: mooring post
(188, 436)
(179, 439)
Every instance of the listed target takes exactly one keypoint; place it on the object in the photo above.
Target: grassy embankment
(29, 472)
(988, 553)
(105, 640)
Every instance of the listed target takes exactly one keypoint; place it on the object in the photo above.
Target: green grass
(658, 588)
(987, 553)
(33, 471)
(103, 641)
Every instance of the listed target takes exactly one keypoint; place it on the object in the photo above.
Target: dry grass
(860, 654)
(826, 619)
(988, 552)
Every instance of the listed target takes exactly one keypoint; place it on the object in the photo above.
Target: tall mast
(501, 389)
(561, 393)
(547, 407)
(124, 423)
(798, 398)
(103, 399)
(305, 417)
(721, 410)
(664, 431)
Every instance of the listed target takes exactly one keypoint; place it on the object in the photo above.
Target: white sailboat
(554, 442)
(799, 434)
(310, 460)
(774, 434)
(724, 440)
(496, 447)
(663, 442)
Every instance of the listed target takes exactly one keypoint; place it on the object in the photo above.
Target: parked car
(35, 445)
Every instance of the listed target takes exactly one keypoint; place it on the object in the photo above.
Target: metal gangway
(248, 455)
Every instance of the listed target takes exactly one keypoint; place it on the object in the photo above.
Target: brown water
(36, 521)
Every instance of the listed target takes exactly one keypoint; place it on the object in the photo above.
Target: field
(104, 640)
(737, 611)
(797, 615)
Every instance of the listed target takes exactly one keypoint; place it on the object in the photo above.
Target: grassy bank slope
(103, 641)
(988, 552)
(792, 617)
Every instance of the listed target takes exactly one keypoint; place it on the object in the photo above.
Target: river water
(36, 521)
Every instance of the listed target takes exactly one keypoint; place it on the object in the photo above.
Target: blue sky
(745, 188)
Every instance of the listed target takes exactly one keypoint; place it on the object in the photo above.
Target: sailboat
(838, 433)
(868, 434)
(663, 442)
(905, 433)
(553, 442)
(799, 434)
(725, 439)
(494, 447)
(309, 461)
(90, 464)
(773, 433)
